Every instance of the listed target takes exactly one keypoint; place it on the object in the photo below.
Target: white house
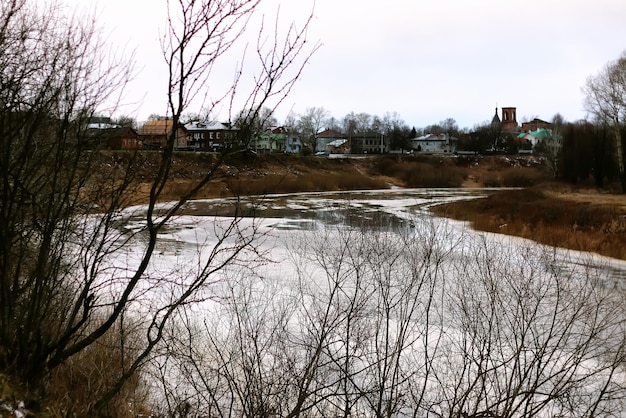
(434, 143)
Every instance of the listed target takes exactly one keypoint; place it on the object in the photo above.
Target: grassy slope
(246, 175)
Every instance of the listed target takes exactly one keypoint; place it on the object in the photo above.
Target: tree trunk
(619, 148)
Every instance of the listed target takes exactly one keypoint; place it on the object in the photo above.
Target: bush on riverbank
(422, 171)
(513, 177)
(457, 171)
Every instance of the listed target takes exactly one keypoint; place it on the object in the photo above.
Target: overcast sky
(425, 60)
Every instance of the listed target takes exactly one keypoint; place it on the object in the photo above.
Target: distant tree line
(592, 150)
(589, 150)
(605, 101)
(314, 120)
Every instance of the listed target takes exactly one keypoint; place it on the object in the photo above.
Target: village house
(324, 138)
(273, 139)
(535, 125)
(112, 136)
(123, 138)
(154, 134)
(370, 143)
(284, 140)
(543, 138)
(293, 145)
(534, 137)
(211, 136)
(434, 143)
(338, 146)
(100, 123)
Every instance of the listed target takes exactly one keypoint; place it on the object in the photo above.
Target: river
(462, 321)
(373, 209)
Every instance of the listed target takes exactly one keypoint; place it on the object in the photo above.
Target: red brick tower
(509, 119)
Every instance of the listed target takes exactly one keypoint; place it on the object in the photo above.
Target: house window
(506, 115)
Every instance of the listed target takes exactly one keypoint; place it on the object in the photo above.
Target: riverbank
(552, 214)
(544, 211)
(249, 174)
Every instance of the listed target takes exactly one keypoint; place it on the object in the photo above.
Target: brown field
(545, 211)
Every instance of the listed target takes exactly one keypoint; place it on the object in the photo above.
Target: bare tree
(51, 83)
(291, 121)
(551, 147)
(397, 131)
(62, 287)
(323, 342)
(251, 123)
(447, 126)
(200, 32)
(126, 121)
(555, 143)
(310, 123)
(531, 342)
(606, 101)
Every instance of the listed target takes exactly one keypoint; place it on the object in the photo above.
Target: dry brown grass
(422, 171)
(452, 171)
(533, 214)
(513, 177)
(84, 378)
(74, 387)
(274, 173)
(291, 183)
(241, 174)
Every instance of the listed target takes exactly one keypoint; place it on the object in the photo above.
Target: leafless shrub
(408, 322)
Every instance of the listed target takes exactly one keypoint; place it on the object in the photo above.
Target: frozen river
(365, 304)
(280, 215)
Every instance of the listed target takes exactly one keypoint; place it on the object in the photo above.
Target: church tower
(509, 119)
(496, 119)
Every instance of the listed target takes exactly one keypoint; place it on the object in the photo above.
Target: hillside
(264, 174)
